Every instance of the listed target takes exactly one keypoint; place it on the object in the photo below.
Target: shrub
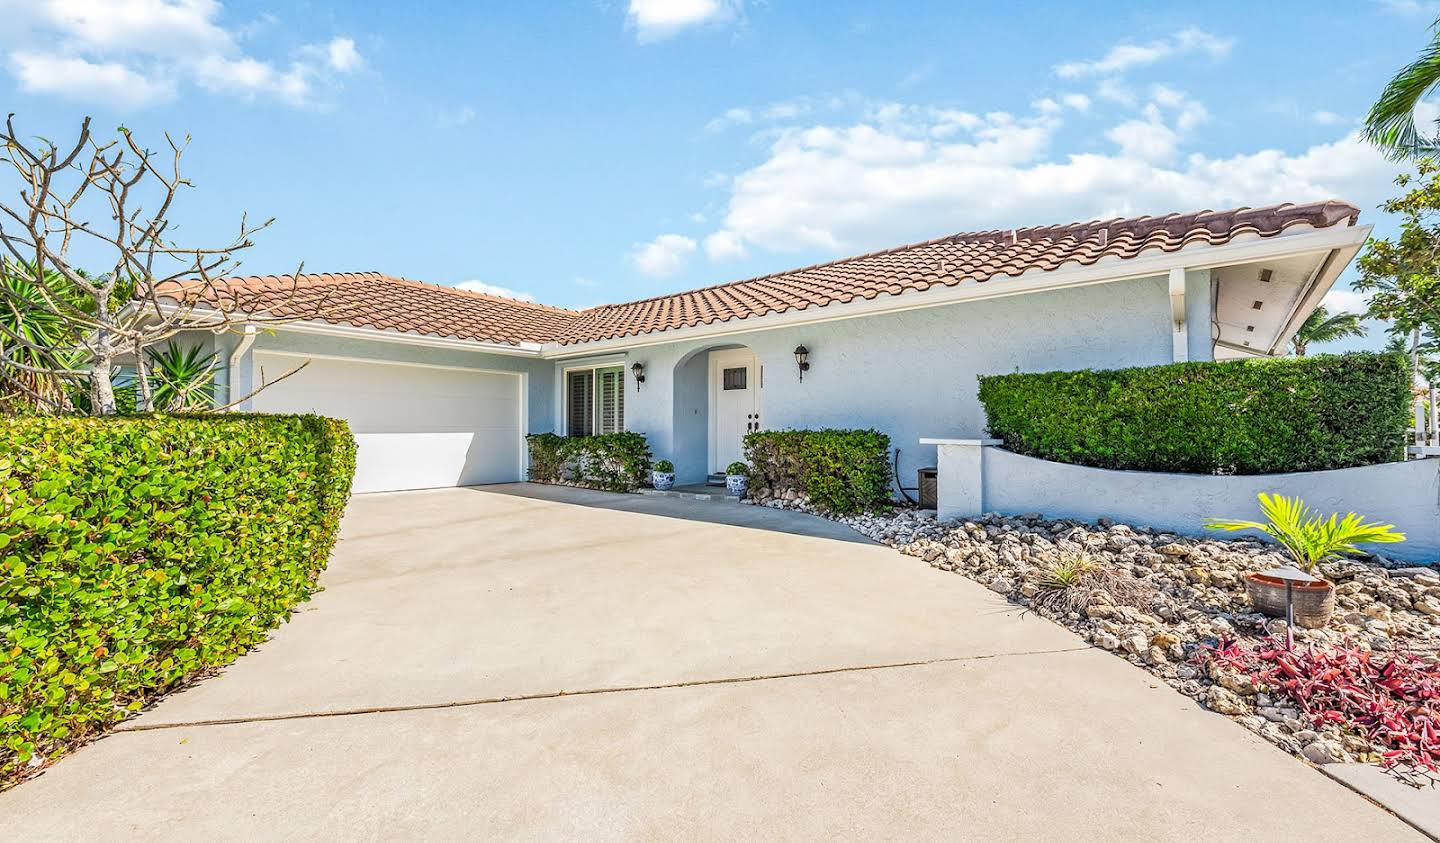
(1077, 581)
(137, 553)
(841, 471)
(737, 469)
(1390, 700)
(616, 462)
(1237, 417)
(1306, 536)
(665, 466)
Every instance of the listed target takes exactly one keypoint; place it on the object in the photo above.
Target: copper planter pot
(1314, 602)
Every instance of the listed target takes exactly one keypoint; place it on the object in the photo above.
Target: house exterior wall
(909, 374)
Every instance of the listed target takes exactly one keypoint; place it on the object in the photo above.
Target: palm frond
(1309, 538)
(1390, 125)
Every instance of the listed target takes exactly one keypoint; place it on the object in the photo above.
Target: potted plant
(737, 475)
(662, 476)
(1308, 540)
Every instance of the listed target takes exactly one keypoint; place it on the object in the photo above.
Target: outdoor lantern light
(1290, 575)
(802, 360)
(638, 370)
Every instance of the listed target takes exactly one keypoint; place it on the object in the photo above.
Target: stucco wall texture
(909, 374)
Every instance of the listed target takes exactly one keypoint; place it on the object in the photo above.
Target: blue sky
(583, 152)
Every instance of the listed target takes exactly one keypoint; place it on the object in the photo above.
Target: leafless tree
(107, 206)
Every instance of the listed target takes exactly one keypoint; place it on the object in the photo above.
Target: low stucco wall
(1406, 494)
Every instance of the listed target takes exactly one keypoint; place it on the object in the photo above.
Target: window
(594, 401)
(734, 378)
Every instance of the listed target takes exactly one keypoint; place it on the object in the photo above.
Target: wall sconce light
(802, 360)
(638, 370)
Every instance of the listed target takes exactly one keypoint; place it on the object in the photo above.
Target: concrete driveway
(531, 662)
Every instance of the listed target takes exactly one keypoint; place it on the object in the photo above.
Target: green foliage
(1323, 326)
(1237, 417)
(737, 469)
(665, 467)
(182, 377)
(1306, 536)
(137, 553)
(1390, 124)
(1402, 275)
(842, 471)
(616, 462)
(37, 311)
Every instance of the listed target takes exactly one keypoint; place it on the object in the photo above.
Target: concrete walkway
(523, 662)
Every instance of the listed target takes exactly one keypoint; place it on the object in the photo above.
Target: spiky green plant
(183, 377)
(1308, 537)
(1065, 574)
(1076, 581)
(35, 336)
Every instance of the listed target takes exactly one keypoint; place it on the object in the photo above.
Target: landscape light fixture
(1290, 575)
(802, 360)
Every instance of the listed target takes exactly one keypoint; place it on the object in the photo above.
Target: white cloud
(664, 256)
(78, 79)
(871, 184)
(1115, 90)
(462, 116)
(343, 56)
(731, 117)
(132, 53)
(1079, 102)
(494, 290)
(724, 245)
(1345, 300)
(1326, 118)
(1122, 57)
(656, 20)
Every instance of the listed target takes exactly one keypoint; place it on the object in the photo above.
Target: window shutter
(612, 400)
(580, 415)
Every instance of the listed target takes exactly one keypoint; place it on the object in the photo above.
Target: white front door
(735, 384)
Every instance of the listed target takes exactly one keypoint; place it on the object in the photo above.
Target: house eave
(1342, 241)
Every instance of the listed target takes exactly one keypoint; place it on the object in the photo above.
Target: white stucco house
(441, 385)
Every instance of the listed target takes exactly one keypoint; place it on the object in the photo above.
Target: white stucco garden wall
(977, 478)
(909, 374)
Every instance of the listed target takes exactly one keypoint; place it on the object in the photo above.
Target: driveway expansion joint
(617, 689)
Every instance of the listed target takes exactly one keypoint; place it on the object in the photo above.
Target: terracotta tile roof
(373, 300)
(982, 256)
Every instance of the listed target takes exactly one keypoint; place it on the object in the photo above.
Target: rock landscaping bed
(1177, 606)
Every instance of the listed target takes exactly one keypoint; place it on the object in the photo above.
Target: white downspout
(247, 339)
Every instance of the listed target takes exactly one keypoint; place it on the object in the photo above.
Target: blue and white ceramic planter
(662, 480)
(736, 483)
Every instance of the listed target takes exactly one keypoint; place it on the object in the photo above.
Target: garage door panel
(415, 427)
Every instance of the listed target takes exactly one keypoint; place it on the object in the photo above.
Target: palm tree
(1391, 122)
(1321, 326)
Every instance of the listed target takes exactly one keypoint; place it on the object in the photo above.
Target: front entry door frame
(747, 409)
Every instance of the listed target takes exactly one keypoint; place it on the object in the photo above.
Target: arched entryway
(718, 399)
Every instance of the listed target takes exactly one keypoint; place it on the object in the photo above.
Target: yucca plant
(183, 377)
(37, 342)
(1308, 537)
(1075, 581)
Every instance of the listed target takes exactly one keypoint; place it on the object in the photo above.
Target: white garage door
(416, 427)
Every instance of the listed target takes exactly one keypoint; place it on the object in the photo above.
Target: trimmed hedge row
(616, 462)
(137, 553)
(1237, 417)
(843, 471)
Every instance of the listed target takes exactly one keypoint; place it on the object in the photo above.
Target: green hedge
(842, 471)
(137, 553)
(1238, 417)
(616, 462)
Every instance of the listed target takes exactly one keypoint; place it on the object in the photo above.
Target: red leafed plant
(1391, 700)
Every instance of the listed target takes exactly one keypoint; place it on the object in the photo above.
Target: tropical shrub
(1308, 538)
(1236, 417)
(616, 462)
(841, 471)
(1390, 700)
(137, 553)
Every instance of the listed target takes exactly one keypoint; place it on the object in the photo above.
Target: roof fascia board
(1197, 256)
